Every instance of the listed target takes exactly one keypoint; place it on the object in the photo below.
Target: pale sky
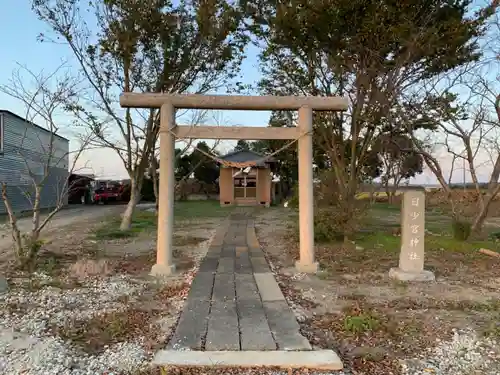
(20, 46)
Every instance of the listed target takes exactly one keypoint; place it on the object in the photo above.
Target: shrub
(326, 225)
(330, 224)
(293, 202)
(495, 236)
(461, 229)
(361, 323)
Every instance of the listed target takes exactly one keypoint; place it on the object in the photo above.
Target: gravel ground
(465, 354)
(28, 347)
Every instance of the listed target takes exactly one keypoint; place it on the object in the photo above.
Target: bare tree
(46, 161)
(471, 143)
(147, 47)
(467, 129)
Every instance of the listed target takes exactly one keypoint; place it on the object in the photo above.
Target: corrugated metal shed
(25, 147)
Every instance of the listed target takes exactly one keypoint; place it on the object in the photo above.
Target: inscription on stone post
(412, 231)
(411, 258)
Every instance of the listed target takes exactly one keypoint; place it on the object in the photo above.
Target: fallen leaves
(96, 334)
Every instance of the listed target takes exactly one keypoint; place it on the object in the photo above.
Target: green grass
(447, 243)
(383, 214)
(361, 323)
(388, 242)
(385, 206)
(378, 240)
(378, 194)
(200, 210)
(145, 221)
(378, 251)
(141, 221)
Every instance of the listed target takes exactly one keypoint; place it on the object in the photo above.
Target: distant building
(24, 144)
(247, 188)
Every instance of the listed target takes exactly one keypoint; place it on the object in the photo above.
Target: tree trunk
(372, 192)
(480, 218)
(388, 194)
(155, 189)
(348, 206)
(31, 247)
(135, 194)
(154, 176)
(392, 192)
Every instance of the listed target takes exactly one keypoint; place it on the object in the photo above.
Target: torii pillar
(306, 263)
(164, 245)
(168, 103)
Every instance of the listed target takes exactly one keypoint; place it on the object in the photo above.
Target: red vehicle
(107, 191)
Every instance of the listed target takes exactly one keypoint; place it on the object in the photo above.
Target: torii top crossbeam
(236, 102)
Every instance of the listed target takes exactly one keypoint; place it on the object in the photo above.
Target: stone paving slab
(209, 264)
(255, 333)
(192, 326)
(285, 328)
(243, 264)
(241, 249)
(246, 288)
(214, 251)
(226, 265)
(224, 287)
(227, 251)
(201, 287)
(240, 239)
(222, 333)
(220, 234)
(256, 252)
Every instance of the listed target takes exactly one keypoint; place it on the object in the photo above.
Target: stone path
(235, 303)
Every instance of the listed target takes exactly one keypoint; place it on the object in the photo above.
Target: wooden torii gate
(169, 103)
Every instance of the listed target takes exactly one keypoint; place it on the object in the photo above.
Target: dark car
(79, 189)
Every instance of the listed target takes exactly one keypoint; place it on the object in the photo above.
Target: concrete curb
(318, 359)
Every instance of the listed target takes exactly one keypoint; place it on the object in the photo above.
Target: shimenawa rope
(235, 164)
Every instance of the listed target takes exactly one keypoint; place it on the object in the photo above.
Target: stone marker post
(411, 258)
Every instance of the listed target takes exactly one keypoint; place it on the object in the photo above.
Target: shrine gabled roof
(243, 156)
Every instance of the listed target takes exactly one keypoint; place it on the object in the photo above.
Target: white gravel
(465, 354)
(27, 346)
(31, 355)
(51, 305)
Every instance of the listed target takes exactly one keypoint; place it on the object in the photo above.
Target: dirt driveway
(69, 217)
